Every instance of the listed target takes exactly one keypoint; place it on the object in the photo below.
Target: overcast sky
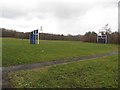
(59, 16)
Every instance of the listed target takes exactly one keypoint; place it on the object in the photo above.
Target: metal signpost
(102, 36)
(102, 39)
(33, 35)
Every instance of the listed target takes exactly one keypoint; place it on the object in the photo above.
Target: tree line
(87, 37)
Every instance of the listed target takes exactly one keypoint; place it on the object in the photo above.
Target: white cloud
(99, 16)
(59, 16)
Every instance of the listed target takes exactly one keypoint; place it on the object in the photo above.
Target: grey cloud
(15, 10)
(68, 10)
(11, 13)
(118, 16)
(110, 3)
(42, 9)
(61, 10)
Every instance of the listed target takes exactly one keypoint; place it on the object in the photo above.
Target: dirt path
(9, 69)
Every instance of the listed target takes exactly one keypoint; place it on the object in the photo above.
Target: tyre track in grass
(6, 70)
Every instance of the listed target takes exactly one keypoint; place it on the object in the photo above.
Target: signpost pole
(40, 33)
(38, 36)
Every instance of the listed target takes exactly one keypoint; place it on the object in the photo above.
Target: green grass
(18, 51)
(92, 73)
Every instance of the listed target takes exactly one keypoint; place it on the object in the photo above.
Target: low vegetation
(92, 73)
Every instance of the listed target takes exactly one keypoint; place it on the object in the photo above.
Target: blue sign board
(32, 38)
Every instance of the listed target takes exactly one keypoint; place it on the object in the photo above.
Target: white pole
(38, 36)
(106, 39)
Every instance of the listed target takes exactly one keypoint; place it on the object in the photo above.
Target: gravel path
(6, 70)
(43, 64)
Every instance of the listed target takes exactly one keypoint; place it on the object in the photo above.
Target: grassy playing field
(92, 73)
(18, 51)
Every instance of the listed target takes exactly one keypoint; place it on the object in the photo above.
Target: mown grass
(92, 73)
(18, 51)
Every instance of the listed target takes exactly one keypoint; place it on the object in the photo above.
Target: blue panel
(32, 39)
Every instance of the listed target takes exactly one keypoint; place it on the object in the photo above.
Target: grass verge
(92, 73)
